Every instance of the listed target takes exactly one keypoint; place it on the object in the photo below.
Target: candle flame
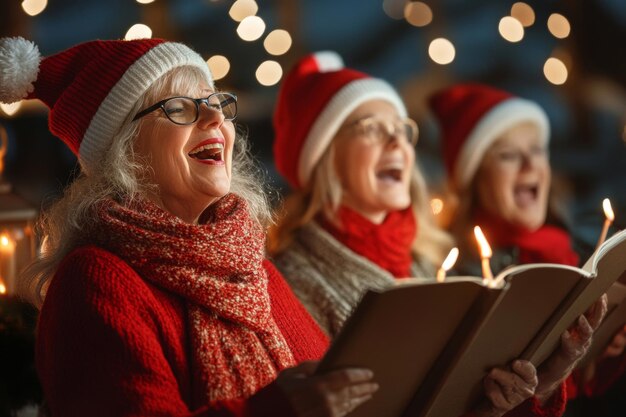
(3, 288)
(608, 210)
(485, 249)
(4, 240)
(450, 259)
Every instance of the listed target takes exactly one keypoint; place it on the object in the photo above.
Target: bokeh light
(34, 7)
(511, 29)
(277, 42)
(10, 109)
(242, 9)
(524, 13)
(251, 28)
(441, 51)
(436, 205)
(269, 73)
(138, 31)
(555, 71)
(559, 26)
(418, 13)
(219, 66)
(394, 8)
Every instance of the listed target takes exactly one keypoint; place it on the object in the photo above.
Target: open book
(614, 320)
(431, 344)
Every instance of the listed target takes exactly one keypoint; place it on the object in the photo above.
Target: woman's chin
(217, 192)
(530, 223)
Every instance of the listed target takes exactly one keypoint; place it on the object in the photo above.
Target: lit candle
(485, 253)
(447, 264)
(3, 288)
(609, 217)
(7, 262)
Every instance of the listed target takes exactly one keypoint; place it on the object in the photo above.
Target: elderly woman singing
(155, 295)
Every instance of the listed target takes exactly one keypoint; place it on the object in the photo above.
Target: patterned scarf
(217, 268)
(388, 244)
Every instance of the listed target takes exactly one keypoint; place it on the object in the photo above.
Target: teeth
(207, 147)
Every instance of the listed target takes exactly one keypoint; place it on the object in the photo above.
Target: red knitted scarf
(546, 244)
(217, 268)
(388, 244)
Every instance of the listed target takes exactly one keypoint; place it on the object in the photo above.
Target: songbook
(431, 344)
(613, 322)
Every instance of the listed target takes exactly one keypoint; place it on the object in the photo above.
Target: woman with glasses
(347, 148)
(358, 216)
(495, 149)
(155, 296)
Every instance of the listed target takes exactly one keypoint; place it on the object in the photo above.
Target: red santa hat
(89, 88)
(472, 117)
(315, 98)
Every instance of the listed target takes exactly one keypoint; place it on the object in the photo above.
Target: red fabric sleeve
(554, 407)
(107, 345)
(303, 335)
(608, 372)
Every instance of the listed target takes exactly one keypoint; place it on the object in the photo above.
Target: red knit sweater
(111, 344)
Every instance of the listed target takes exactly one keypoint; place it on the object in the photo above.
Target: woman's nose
(209, 117)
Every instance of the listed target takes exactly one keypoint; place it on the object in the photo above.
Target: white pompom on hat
(91, 87)
(19, 66)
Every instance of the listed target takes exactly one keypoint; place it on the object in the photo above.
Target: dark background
(588, 112)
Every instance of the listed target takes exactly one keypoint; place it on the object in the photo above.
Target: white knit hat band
(136, 80)
(490, 128)
(330, 119)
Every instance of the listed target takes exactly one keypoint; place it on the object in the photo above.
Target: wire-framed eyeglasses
(380, 131)
(185, 110)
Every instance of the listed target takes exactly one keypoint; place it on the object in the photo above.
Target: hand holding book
(335, 393)
(526, 308)
(575, 343)
(505, 390)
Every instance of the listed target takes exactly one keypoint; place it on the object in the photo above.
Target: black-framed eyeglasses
(185, 110)
(380, 131)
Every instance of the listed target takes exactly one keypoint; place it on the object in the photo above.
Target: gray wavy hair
(119, 177)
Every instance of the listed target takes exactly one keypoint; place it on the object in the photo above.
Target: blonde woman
(495, 148)
(358, 216)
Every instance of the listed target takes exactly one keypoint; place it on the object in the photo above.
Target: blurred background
(566, 55)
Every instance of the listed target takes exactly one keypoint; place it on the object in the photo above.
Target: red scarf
(217, 268)
(388, 244)
(549, 244)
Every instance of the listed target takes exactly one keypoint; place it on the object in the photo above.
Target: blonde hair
(324, 195)
(119, 177)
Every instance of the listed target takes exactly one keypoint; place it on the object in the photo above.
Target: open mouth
(209, 152)
(389, 174)
(525, 194)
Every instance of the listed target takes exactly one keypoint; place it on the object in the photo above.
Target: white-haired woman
(155, 295)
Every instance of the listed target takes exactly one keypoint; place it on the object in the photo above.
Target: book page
(609, 266)
(399, 333)
(534, 294)
(613, 321)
